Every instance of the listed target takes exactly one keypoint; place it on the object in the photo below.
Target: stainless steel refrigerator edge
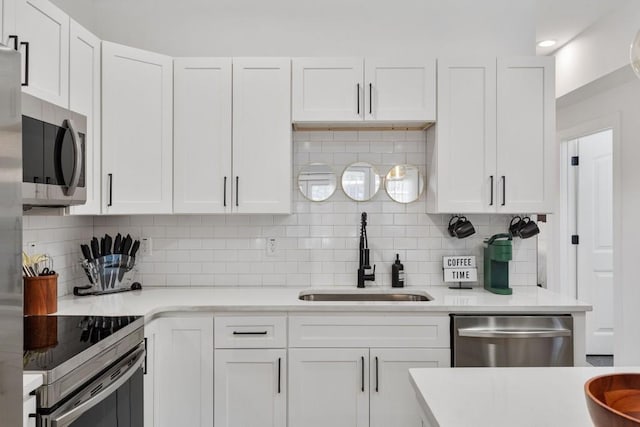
(10, 238)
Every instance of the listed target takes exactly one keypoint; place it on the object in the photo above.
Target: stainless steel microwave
(53, 154)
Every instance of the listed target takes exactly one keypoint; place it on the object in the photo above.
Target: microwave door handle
(68, 417)
(77, 147)
(513, 333)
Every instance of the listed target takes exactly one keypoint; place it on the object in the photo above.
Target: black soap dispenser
(397, 273)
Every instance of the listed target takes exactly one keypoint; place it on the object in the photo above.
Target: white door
(7, 21)
(329, 387)
(262, 150)
(400, 90)
(202, 135)
(137, 126)
(595, 231)
(328, 89)
(526, 147)
(84, 98)
(183, 360)
(46, 57)
(250, 388)
(393, 401)
(466, 140)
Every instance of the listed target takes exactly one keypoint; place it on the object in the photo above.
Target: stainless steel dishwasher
(510, 341)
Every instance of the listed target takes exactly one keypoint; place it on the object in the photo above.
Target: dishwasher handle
(513, 333)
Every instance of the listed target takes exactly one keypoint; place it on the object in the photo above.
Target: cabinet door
(7, 21)
(202, 135)
(46, 57)
(250, 388)
(137, 122)
(465, 151)
(527, 151)
(183, 358)
(150, 333)
(328, 90)
(393, 400)
(262, 158)
(329, 387)
(400, 90)
(84, 98)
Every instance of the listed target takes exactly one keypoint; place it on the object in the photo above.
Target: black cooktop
(50, 341)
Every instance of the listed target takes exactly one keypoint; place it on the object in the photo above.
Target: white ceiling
(562, 20)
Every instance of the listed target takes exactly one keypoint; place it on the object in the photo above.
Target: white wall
(313, 28)
(618, 93)
(599, 50)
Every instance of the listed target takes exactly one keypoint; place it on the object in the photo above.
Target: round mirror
(317, 181)
(360, 181)
(404, 183)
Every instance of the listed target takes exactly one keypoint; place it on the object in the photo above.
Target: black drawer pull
(279, 373)
(250, 333)
(26, 63)
(362, 384)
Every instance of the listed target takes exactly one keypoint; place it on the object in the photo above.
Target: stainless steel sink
(415, 296)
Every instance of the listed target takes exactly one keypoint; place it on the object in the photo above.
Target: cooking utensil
(86, 252)
(103, 247)
(126, 245)
(117, 244)
(134, 248)
(108, 241)
(47, 272)
(95, 249)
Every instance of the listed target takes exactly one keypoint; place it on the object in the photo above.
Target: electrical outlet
(272, 247)
(146, 246)
(32, 247)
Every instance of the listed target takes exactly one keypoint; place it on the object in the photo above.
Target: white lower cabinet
(329, 387)
(28, 410)
(393, 400)
(250, 388)
(180, 363)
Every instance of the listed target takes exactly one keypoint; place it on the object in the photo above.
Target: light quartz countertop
(30, 382)
(505, 397)
(152, 301)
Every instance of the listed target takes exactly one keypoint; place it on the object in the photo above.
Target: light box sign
(460, 268)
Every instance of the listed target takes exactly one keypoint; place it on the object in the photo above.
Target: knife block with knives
(108, 264)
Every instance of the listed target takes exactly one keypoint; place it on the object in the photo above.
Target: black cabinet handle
(491, 203)
(237, 184)
(144, 370)
(279, 373)
(504, 190)
(376, 374)
(15, 41)
(358, 96)
(370, 98)
(36, 179)
(362, 384)
(110, 202)
(224, 202)
(26, 63)
(249, 332)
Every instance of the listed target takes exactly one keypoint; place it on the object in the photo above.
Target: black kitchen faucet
(364, 255)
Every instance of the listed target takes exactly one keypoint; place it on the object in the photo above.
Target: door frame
(564, 262)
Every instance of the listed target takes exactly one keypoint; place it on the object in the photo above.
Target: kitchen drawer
(29, 407)
(369, 331)
(250, 331)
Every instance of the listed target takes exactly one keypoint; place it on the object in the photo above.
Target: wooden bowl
(613, 400)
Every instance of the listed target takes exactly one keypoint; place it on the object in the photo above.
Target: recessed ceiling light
(546, 43)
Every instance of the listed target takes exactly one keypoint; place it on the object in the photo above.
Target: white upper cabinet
(327, 89)
(7, 21)
(262, 150)
(464, 164)
(43, 31)
(202, 135)
(353, 91)
(84, 98)
(137, 130)
(494, 145)
(400, 91)
(527, 151)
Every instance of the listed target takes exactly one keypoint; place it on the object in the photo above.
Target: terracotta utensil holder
(40, 295)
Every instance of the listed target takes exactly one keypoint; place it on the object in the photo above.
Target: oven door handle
(130, 365)
(77, 148)
(513, 333)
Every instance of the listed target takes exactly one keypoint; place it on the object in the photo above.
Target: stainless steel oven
(511, 340)
(53, 154)
(92, 368)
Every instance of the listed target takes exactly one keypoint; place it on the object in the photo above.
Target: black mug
(461, 228)
(523, 227)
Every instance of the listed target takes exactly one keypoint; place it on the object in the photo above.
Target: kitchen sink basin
(394, 296)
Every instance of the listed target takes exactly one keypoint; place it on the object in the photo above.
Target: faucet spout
(364, 265)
